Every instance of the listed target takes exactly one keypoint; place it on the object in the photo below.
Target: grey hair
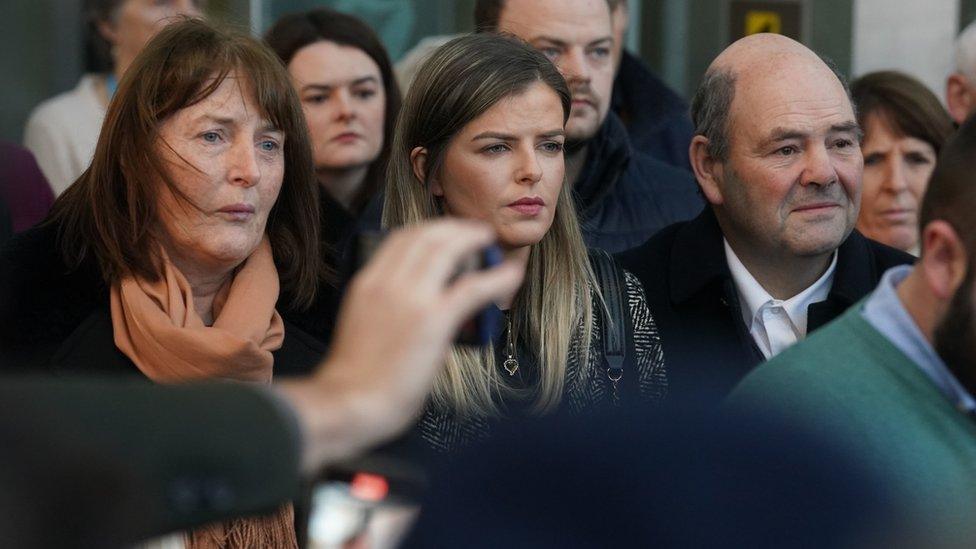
(710, 110)
(964, 58)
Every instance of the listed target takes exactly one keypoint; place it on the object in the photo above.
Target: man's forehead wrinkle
(547, 19)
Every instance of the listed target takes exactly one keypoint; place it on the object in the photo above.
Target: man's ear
(709, 171)
(944, 261)
(418, 160)
(959, 97)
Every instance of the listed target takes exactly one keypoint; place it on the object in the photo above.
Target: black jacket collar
(698, 261)
(607, 156)
(697, 257)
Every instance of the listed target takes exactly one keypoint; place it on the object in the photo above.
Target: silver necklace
(511, 364)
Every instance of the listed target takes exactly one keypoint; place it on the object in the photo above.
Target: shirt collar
(884, 310)
(752, 296)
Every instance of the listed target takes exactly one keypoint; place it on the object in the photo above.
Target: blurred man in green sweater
(894, 377)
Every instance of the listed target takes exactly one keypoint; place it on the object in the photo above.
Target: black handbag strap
(614, 328)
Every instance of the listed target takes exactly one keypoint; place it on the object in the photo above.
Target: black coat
(623, 197)
(57, 320)
(657, 119)
(692, 296)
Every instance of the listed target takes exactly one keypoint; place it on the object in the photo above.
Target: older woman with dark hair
(905, 127)
(62, 131)
(172, 253)
(349, 93)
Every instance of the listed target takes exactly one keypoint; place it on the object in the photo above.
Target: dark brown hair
(487, 13)
(904, 103)
(110, 212)
(293, 32)
(951, 194)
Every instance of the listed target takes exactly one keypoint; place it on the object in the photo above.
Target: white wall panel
(913, 36)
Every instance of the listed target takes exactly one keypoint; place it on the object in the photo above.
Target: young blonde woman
(481, 135)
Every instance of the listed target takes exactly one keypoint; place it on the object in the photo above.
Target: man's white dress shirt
(773, 323)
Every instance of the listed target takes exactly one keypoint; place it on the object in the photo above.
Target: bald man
(775, 255)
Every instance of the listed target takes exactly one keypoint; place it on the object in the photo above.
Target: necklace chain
(511, 363)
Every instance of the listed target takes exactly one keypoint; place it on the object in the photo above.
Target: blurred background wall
(41, 52)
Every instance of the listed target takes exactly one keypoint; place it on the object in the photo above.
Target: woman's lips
(528, 206)
(347, 137)
(237, 212)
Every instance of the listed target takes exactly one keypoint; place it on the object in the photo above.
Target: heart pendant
(511, 366)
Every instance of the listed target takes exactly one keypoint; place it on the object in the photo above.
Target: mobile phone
(479, 330)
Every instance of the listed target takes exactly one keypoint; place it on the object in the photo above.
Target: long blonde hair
(460, 81)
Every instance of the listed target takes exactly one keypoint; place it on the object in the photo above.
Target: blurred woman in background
(349, 93)
(62, 131)
(481, 136)
(904, 127)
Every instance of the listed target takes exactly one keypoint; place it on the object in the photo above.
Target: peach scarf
(156, 326)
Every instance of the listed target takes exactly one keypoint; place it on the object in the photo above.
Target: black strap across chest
(616, 325)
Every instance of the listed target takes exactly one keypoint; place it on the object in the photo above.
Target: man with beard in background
(623, 196)
(894, 376)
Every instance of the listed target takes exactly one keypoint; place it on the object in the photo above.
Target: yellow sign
(763, 21)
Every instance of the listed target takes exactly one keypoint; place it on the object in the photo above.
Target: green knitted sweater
(848, 382)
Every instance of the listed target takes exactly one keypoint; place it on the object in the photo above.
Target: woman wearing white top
(62, 131)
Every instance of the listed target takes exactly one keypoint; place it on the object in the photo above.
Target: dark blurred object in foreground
(653, 478)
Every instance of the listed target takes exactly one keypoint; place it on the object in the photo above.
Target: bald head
(759, 50)
(748, 67)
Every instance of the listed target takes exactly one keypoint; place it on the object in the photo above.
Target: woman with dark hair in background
(62, 131)
(174, 252)
(481, 136)
(349, 93)
(905, 127)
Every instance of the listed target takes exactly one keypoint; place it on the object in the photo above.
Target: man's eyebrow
(556, 41)
(785, 134)
(599, 41)
(848, 127)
